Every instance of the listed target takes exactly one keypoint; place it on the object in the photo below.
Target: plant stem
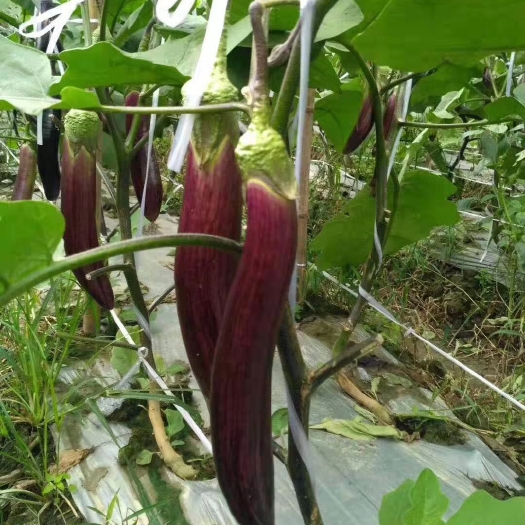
(161, 298)
(290, 83)
(319, 376)
(118, 248)
(295, 373)
(455, 125)
(402, 80)
(103, 20)
(170, 110)
(124, 267)
(97, 341)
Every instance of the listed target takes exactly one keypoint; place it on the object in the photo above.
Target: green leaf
(279, 421)
(415, 35)
(446, 101)
(370, 10)
(144, 457)
(482, 509)
(504, 107)
(396, 504)
(123, 359)
(357, 429)
(415, 503)
(343, 16)
(323, 75)
(429, 504)
(135, 22)
(175, 422)
(103, 64)
(29, 235)
(73, 97)
(25, 78)
(423, 206)
(449, 77)
(347, 238)
(337, 113)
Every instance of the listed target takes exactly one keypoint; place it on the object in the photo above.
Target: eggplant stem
(354, 352)
(124, 267)
(161, 298)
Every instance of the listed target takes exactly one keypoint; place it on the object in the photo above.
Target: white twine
(142, 353)
(201, 75)
(63, 13)
(60, 15)
(411, 332)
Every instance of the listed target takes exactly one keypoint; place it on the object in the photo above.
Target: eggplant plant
(376, 72)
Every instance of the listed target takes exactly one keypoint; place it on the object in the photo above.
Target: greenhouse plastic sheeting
(351, 476)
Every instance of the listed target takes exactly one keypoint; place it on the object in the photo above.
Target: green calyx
(262, 154)
(212, 131)
(82, 128)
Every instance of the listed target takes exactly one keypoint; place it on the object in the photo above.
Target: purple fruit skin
(78, 204)
(363, 127)
(240, 402)
(389, 118)
(25, 179)
(139, 164)
(203, 276)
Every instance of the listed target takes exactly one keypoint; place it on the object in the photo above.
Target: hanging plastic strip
(200, 80)
(142, 355)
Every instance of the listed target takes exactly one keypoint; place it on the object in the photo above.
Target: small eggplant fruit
(139, 166)
(364, 126)
(390, 117)
(79, 199)
(212, 205)
(25, 179)
(240, 401)
(47, 154)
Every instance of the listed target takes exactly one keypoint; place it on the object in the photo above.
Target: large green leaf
(337, 113)
(416, 35)
(342, 17)
(370, 10)
(396, 504)
(415, 503)
(323, 75)
(29, 235)
(429, 504)
(423, 205)
(103, 64)
(25, 77)
(504, 107)
(449, 77)
(482, 509)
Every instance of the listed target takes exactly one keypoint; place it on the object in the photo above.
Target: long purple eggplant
(25, 179)
(240, 401)
(139, 166)
(362, 129)
(79, 199)
(212, 205)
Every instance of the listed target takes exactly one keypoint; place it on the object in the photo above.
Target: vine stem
(290, 83)
(118, 248)
(170, 110)
(455, 125)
